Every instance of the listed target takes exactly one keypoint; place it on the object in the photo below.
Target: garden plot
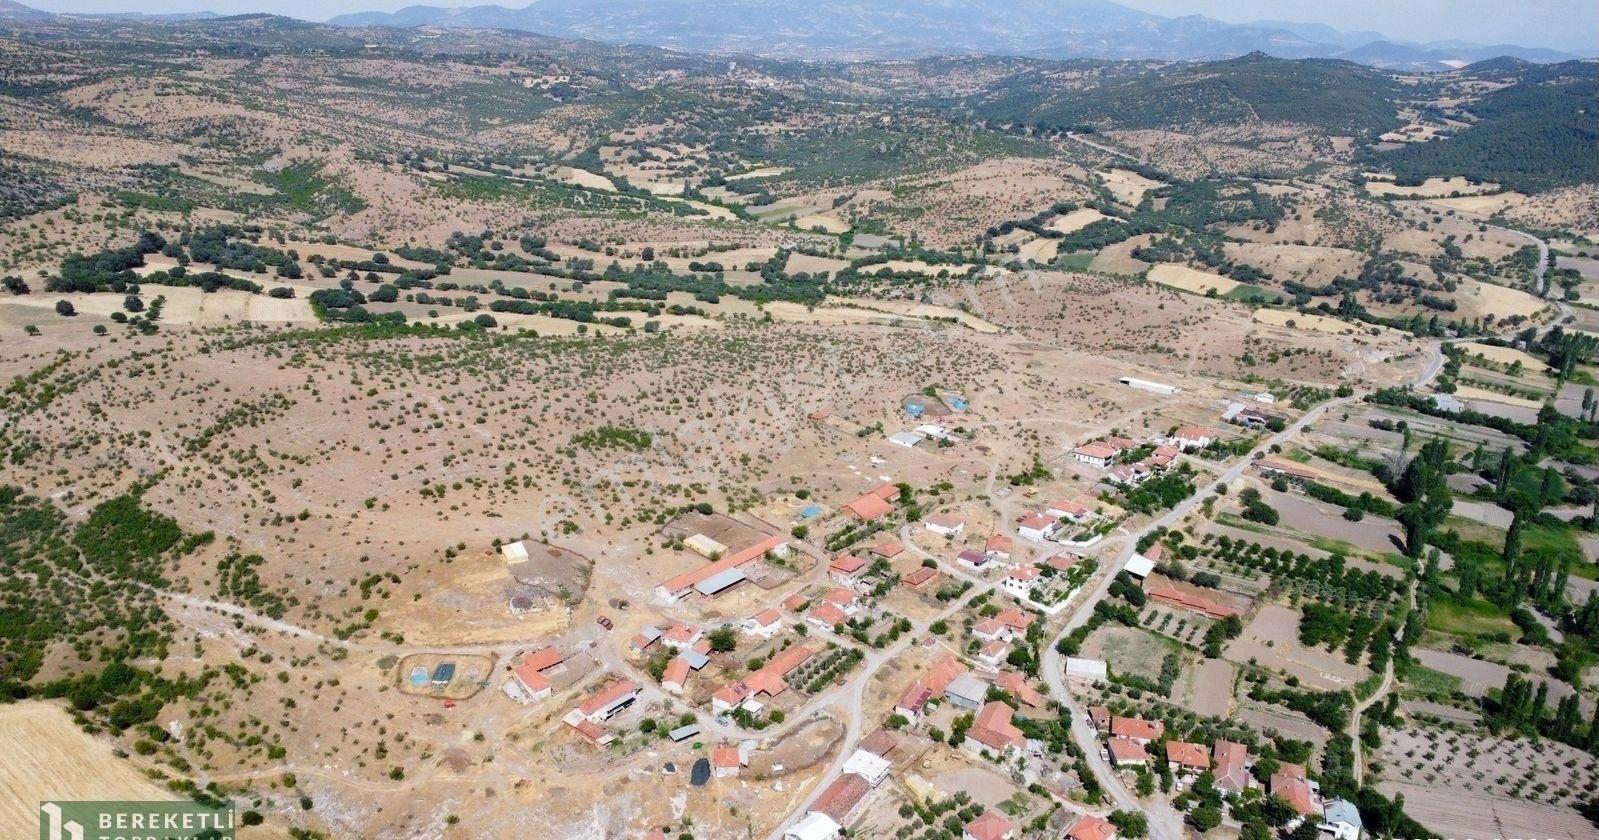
(1373, 533)
(1182, 625)
(1271, 641)
(1128, 651)
(1207, 689)
(1478, 676)
(1512, 784)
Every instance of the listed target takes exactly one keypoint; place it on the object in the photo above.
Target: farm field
(49, 757)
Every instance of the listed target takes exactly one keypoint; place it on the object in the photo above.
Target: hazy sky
(1571, 25)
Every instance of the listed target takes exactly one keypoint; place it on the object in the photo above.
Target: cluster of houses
(765, 682)
(1127, 746)
(1108, 454)
(866, 769)
(599, 707)
(950, 681)
(996, 634)
(926, 431)
(692, 652)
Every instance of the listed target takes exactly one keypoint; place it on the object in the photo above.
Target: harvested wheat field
(48, 757)
(1307, 321)
(1129, 187)
(1481, 205)
(1497, 300)
(1077, 220)
(1192, 280)
(1505, 356)
(1430, 188)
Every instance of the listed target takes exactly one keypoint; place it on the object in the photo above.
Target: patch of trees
(1522, 137)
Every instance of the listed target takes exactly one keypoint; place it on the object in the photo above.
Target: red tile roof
(989, 826)
(1098, 451)
(846, 563)
(731, 561)
(1016, 686)
(612, 692)
(943, 672)
(1188, 755)
(529, 673)
(999, 543)
(1016, 619)
(888, 549)
(921, 576)
(724, 755)
(873, 505)
(993, 728)
(841, 797)
(1166, 592)
(1295, 791)
(769, 679)
(1148, 730)
(1036, 522)
(767, 617)
(1091, 827)
(1123, 750)
(915, 697)
(879, 743)
(676, 672)
(1230, 771)
(828, 614)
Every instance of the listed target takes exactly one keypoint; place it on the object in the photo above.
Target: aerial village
(1042, 659)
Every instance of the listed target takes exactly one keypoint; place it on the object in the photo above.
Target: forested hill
(1334, 97)
(1536, 135)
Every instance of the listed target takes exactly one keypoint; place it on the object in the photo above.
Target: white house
(1020, 582)
(1038, 527)
(1341, 820)
(1096, 455)
(1193, 437)
(764, 624)
(945, 524)
(905, 439)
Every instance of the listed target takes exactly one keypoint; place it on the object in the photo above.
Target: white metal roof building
(869, 766)
(719, 581)
(815, 826)
(905, 439)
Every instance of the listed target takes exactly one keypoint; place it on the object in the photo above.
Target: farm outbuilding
(905, 439)
(1152, 387)
(720, 581)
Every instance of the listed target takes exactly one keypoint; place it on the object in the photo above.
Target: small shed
(683, 733)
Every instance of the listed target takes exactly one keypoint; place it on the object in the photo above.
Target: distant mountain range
(906, 29)
(888, 29)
